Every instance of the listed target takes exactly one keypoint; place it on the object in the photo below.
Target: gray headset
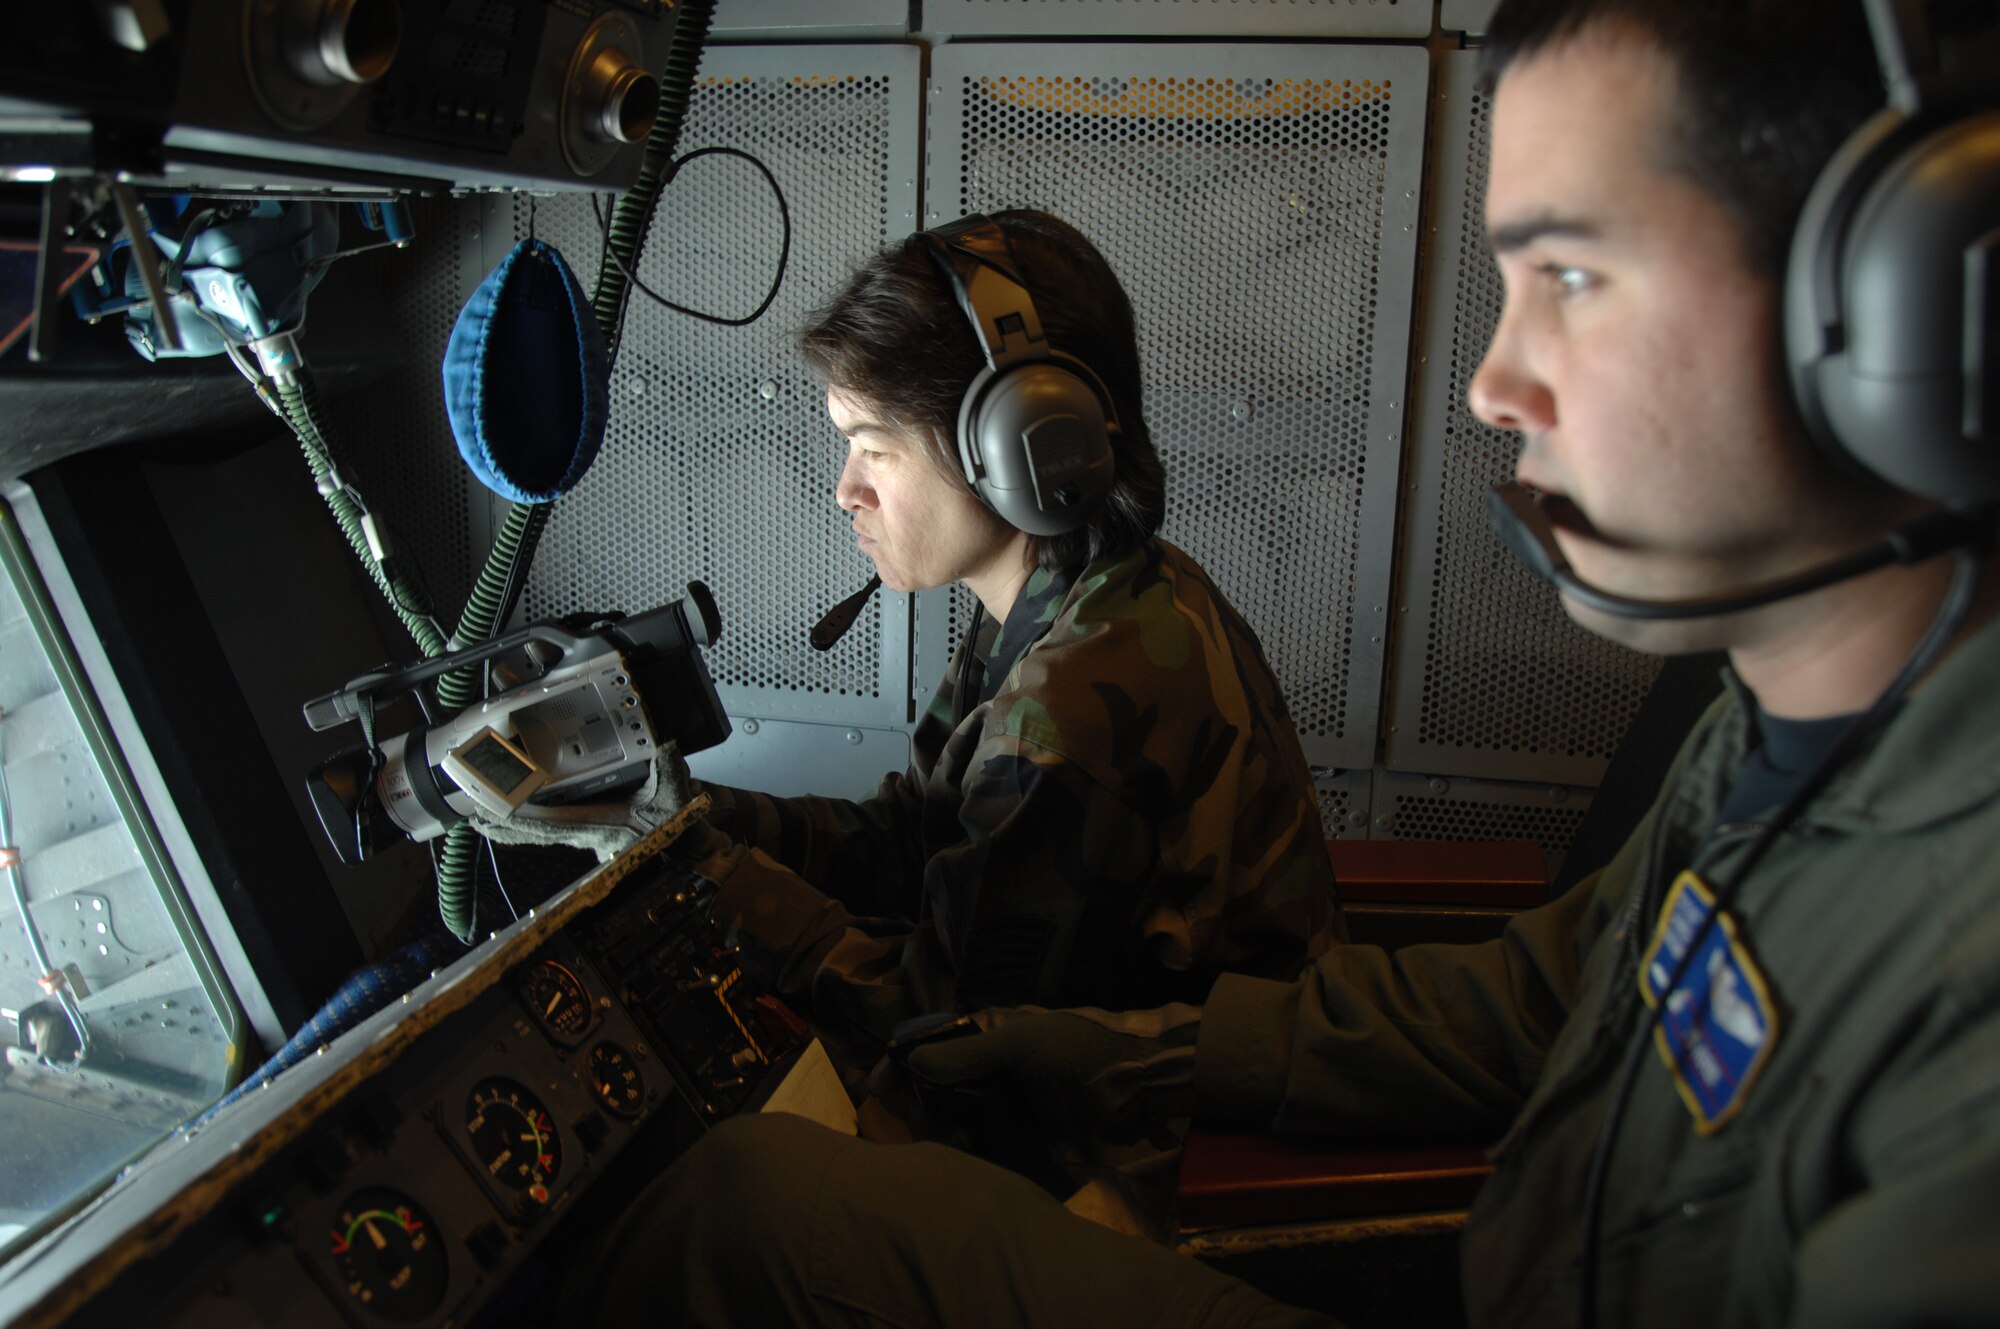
(1892, 295)
(1035, 425)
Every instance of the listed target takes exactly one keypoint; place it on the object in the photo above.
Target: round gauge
(557, 998)
(513, 1137)
(387, 1254)
(615, 1080)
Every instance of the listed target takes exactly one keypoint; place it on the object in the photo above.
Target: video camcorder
(587, 728)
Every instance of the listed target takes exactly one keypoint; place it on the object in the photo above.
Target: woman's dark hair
(896, 339)
(1768, 89)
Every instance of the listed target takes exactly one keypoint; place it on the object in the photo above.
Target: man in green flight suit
(1747, 1073)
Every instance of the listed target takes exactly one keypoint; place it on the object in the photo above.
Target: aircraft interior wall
(1289, 191)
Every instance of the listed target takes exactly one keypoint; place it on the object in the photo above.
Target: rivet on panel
(1385, 822)
(751, 726)
(1558, 794)
(1241, 410)
(768, 389)
(854, 735)
(1439, 785)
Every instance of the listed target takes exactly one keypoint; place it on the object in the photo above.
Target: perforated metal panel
(1421, 807)
(1467, 16)
(1259, 205)
(1490, 678)
(720, 461)
(1345, 798)
(1180, 18)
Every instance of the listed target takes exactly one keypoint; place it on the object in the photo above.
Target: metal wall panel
(720, 461)
(793, 20)
(1490, 677)
(1345, 800)
(1420, 807)
(1179, 18)
(1259, 204)
(1467, 16)
(788, 757)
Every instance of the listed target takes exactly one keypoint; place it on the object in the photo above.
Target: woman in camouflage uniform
(1107, 802)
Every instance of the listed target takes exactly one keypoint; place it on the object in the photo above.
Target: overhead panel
(720, 462)
(1490, 677)
(1259, 204)
(1179, 18)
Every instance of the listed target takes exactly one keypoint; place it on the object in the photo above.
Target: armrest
(1505, 874)
(1231, 1179)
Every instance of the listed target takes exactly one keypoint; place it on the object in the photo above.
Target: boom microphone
(840, 618)
(1517, 517)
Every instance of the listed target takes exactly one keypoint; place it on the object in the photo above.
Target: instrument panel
(306, 95)
(415, 1176)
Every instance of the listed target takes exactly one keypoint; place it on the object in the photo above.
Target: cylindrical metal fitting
(331, 42)
(624, 99)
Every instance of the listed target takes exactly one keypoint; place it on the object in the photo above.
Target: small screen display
(495, 764)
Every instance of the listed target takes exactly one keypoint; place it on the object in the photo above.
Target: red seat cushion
(1230, 1179)
(1512, 874)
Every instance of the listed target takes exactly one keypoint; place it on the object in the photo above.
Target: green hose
(455, 865)
(300, 399)
(521, 531)
(634, 210)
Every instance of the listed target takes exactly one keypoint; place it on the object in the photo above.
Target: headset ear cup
(1036, 445)
(1892, 307)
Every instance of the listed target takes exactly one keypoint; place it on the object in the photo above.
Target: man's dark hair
(1768, 89)
(896, 339)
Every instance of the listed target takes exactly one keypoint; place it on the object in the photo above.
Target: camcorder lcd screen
(496, 763)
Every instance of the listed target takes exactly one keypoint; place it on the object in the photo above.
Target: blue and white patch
(1720, 1023)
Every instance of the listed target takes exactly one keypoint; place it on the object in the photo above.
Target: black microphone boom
(1524, 528)
(840, 618)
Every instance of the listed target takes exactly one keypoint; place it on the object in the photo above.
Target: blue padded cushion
(527, 378)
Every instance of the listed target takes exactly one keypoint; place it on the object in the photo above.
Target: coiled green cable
(634, 210)
(300, 400)
(521, 530)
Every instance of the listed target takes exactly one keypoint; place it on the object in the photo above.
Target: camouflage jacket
(1120, 813)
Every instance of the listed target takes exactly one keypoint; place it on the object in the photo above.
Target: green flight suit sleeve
(1915, 1244)
(1427, 1039)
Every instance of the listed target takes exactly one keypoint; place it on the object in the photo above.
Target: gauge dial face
(558, 999)
(388, 1255)
(615, 1080)
(513, 1137)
